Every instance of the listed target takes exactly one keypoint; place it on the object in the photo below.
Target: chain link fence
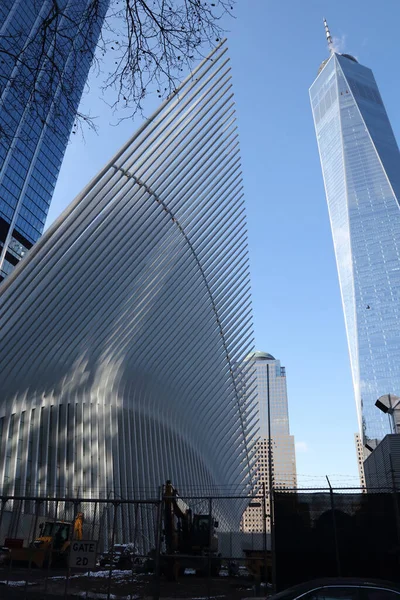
(122, 549)
(127, 549)
(98, 548)
(347, 533)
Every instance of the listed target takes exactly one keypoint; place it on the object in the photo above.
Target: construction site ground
(40, 584)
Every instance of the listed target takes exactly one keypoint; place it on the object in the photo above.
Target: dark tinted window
(333, 593)
(378, 594)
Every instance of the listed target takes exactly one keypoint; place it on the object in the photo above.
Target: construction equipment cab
(190, 539)
(50, 547)
(58, 534)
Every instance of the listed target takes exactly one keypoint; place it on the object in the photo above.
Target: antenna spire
(328, 36)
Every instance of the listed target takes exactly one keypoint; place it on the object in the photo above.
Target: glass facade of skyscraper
(275, 377)
(272, 391)
(42, 75)
(360, 162)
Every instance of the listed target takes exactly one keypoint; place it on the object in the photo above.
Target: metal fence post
(94, 519)
(210, 532)
(136, 524)
(37, 508)
(273, 540)
(159, 521)
(115, 505)
(15, 524)
(50, 557)
(76, 504)
(265, 546)
(335, 533)
(3, 504)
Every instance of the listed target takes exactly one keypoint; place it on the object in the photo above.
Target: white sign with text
(83, 554)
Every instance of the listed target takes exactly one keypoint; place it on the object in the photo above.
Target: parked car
(341, 589)
(123, 556)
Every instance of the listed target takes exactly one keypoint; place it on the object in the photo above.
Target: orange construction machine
(50, 547)
(190, 539)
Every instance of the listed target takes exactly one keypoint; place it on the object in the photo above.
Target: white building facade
(122, 328)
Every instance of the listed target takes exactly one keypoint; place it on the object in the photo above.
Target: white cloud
(301, 447)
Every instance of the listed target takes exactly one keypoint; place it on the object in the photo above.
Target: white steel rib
(123, 331)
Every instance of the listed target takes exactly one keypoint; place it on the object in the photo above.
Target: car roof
(342, 581)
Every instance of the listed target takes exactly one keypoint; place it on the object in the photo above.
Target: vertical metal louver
(123, 331)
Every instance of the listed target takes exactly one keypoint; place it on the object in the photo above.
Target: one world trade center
(360, 163)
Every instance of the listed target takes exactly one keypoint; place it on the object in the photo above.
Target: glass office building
(272, 391)
(42, 76)
(360, 163)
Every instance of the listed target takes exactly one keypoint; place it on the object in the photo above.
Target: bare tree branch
(151, 43)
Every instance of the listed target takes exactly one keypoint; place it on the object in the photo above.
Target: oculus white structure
(124, 329)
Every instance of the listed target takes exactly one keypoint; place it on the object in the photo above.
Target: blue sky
(276, 48)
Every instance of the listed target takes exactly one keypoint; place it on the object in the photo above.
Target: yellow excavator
(190, 539)
(51, 547)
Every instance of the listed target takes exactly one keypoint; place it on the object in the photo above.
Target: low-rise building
(360, 459)
(382, 467)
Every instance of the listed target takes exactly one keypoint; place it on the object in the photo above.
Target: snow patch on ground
(208, 597)
(17, 583)
(116, 575)
(96, 596)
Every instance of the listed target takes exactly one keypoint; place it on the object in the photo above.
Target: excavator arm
(174, 509)
(78, 527)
